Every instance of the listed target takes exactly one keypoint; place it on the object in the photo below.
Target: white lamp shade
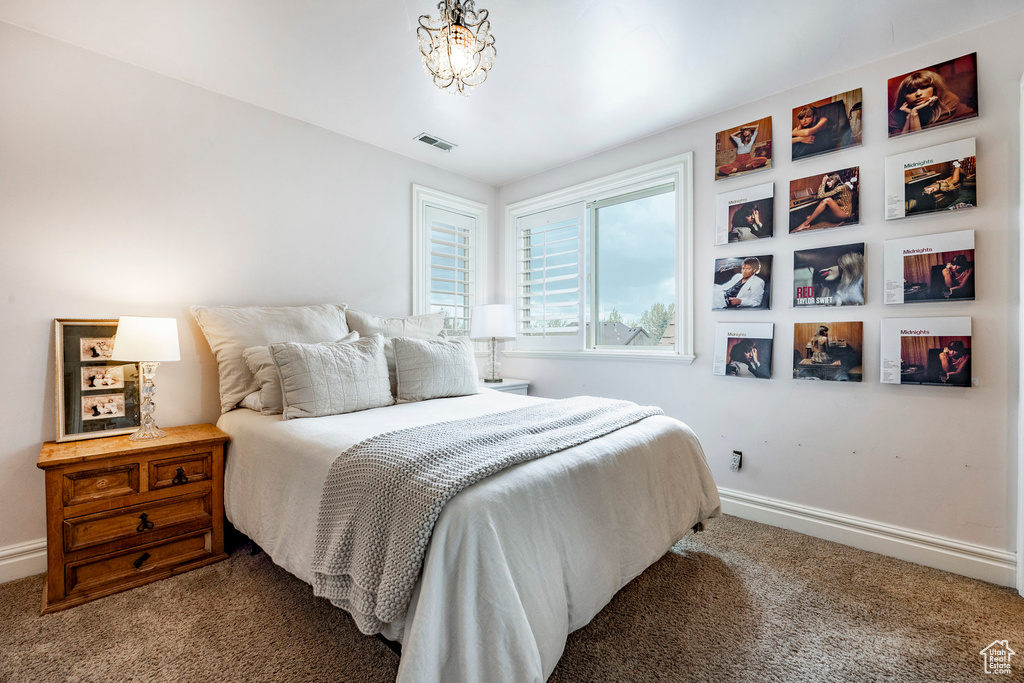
(496, 321)
(146, 339)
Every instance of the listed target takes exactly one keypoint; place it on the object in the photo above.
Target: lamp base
(147, 431)
(488, 380)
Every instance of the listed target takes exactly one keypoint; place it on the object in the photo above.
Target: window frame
(677, 170)
(422, 199)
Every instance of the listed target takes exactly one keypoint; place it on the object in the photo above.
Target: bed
(516, 561)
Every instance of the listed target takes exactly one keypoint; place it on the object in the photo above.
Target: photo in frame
(828, 351)
(827, 125)
(825, 200)
(936, 351)
(96, 395)
(743, 149)
(942, 93)
(746, 214)
(939, 178)
(743, 283)
(930, 268)
(743, 350)
(829, 276)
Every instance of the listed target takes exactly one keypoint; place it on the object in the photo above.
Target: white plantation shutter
(450, 259)
(549, 286)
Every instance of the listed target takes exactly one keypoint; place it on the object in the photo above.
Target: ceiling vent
(435, 141)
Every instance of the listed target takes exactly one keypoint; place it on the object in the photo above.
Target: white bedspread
(518, 560)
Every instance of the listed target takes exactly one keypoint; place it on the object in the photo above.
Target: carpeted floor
(739, 602)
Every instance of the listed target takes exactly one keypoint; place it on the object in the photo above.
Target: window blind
(549, 301)
(451, 252)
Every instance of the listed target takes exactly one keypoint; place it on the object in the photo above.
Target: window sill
(662, 357)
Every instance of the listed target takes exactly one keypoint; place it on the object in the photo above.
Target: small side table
(120, 513)
(509, 385)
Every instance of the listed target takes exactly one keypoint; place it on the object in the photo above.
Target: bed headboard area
(239, 337)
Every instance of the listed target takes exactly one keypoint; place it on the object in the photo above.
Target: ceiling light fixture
(458, 49)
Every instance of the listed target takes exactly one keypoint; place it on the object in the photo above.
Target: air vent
(435, 141)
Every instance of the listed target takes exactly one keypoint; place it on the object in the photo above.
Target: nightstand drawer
(97, 484)
(182, 469)
(146, 523)
(111, 569)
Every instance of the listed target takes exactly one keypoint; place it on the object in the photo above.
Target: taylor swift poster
(825, 200)
(934, 96)
(829, 276)
(746, 214)
(939, 178)
(930, 268)
(743, 350)
(829, 351)
(827, 125)
(927, 351)
(743, 149)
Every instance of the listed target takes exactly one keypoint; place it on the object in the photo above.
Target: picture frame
(932, 180)
(930, 268)
(96, 395)
(927, 351)
(744, 215)
(829, 276)
(825, 200)
(827, 125)
(743, 350)
(743, 149)
(828, 351)
(742, 283)
(933, 96)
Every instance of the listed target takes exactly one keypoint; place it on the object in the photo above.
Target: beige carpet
(739, 602)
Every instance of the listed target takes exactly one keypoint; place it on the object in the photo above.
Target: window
(605, 268)
(449, 247)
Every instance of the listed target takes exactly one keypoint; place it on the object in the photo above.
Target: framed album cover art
(743, 149)
(96, 395)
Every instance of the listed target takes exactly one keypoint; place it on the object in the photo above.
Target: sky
(636, 255)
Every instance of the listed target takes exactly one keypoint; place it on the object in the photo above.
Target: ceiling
(571, 78)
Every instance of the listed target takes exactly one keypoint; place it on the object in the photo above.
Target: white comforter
(518, 560)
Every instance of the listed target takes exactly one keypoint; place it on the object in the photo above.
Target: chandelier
(458, 49)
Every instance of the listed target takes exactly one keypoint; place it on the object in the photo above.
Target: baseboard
(22, 559)
(977, 562)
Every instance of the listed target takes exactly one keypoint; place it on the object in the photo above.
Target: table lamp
(496, 322)
(148, 342)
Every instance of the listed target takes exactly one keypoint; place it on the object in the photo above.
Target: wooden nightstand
(120, 514)
(509, 385)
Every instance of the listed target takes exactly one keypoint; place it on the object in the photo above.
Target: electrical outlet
(737, 461)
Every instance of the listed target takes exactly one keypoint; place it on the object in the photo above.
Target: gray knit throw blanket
(383, 495)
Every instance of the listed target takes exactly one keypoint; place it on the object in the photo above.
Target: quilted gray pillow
(262, 366)
(333, 378)
(434, 368)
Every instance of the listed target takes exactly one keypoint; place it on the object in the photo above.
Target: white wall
(126, 192)
(936, 460)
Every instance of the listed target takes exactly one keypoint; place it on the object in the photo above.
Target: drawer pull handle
(142, 558)
(146, 524)
(179, 477)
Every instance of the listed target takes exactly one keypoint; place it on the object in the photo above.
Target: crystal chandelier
(458, 49)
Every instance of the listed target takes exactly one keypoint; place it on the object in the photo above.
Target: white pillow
(331, 379)
(423, 326)
(232, 329)
(260, 363)
(252, 402)
(434, 368)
